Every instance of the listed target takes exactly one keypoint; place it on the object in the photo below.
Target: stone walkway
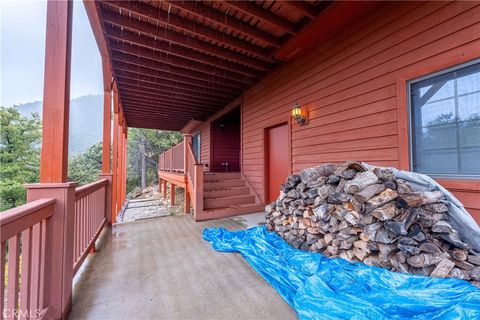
(142, 209)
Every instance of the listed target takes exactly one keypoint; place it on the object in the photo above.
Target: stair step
(229, 211)
(228, 201)
(223, 184)
(226, 192)
(221, 176)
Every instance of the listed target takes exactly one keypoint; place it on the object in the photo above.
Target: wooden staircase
(227, 194)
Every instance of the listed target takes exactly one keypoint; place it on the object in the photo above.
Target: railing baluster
(43, 265)
(26, 271)
(2, 276)
(36, 260)
(13, 273)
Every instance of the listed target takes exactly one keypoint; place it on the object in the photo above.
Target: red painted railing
(23, 234)
(90, 217)
(172, 160)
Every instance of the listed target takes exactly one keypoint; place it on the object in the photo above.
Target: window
(196, 146)
(445, 122)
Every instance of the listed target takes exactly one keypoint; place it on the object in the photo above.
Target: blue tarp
(318, 287)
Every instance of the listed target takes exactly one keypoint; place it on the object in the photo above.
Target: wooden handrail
(87, 189)
(16, 220)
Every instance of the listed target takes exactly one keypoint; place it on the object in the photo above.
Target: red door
(277, 160)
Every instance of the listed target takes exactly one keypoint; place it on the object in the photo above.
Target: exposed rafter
(149, 82)
(202, 11)
(147, 29)
(185, 56)
(304, 7)
(169, 96)
(264, 15)
(177, 63)
(159, 16)
(146, 88)
(157, 66)
(152, 76)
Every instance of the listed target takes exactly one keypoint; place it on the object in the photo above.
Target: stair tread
(233, 197)
(250, 205)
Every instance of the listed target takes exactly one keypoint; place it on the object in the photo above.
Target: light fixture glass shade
(296, 111)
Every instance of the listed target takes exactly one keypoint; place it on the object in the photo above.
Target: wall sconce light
(299, 115)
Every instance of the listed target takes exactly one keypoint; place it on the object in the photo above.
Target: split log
(368, 192)
(361, 181)
(443, 268)
(416, 199)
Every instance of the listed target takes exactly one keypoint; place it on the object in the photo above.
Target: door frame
(266, 187)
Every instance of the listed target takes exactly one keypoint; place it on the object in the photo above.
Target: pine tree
(19, 155)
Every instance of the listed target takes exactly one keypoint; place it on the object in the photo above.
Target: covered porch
(183, 66)
(184, 279)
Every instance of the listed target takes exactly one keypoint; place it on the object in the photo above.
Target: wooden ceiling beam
(146, 88)
(156, 114)
(169, 98)
(148, 83)
(264, 15)
(153, 116)
(304, 7)
(179, 55)
(176, 62)
(155, 77)
(171, 103)
(174, 109)
(161, 109)
(157, 15)
(132, 96)
(208, 13)
(167, 68)
(166, 34)
(154, 126)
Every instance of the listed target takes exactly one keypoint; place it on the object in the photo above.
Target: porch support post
(114, 168)
(107, 107)
(58, 257)
(119, 169)
(187, 141)
(198, 189)
(186, 207)
(172, 194)
(56, 92)
(125, 155)
(107, 131)
(165, 189)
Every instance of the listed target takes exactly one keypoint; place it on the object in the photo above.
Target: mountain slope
(86, 121)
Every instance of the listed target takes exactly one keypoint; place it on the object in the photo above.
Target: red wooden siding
(350, 87)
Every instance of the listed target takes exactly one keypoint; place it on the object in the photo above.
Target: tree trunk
(143, 168)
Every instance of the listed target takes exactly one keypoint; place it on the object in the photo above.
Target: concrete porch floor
(161, 268)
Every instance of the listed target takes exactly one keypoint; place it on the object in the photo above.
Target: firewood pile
(371, 216)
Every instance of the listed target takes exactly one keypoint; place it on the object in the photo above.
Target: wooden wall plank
(350, 86)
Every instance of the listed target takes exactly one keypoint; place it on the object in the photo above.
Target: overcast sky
(23, 52)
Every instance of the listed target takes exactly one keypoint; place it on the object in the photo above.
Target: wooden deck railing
(37, 240)
(23, 236)
(90, 217)
(172, 160)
